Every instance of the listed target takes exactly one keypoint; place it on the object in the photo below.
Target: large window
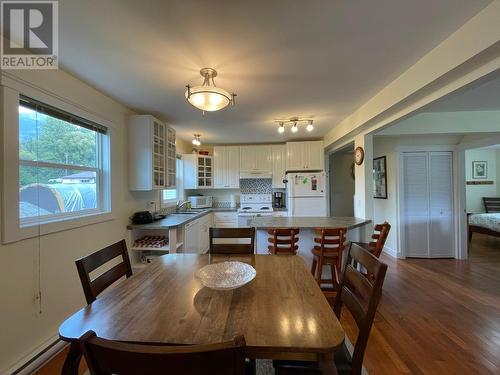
(60, 164)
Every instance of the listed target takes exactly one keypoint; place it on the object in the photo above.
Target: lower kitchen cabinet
(196, 235)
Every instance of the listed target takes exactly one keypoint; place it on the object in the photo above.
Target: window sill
(56, 226)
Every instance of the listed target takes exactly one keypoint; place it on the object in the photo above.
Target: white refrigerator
(306, 194)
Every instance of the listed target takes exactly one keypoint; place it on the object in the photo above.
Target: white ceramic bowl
(226, 275)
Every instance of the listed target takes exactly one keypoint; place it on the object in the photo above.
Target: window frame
(179, 191)
(11, 229)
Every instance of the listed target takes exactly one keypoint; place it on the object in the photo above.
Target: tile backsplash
(256, 186)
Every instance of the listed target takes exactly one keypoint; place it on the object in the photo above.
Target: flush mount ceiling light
(208, 97)
(295, 121)
(196, 140)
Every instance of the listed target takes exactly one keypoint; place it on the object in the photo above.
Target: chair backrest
(283, 240)
(491, 204)
(232, 248)
(330, 240)
(361, 296)
(85, 265)
(380, 238)
(113, 357)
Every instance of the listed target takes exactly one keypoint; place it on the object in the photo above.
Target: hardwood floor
(54, 366)
(438, 316)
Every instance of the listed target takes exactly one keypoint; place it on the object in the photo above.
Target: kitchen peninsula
(306, 225)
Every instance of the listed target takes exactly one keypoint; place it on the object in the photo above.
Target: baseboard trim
(38, 357)
(391, 252)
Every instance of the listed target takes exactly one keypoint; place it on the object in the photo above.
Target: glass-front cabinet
(151, 154)
(204, 171)
(198, 171)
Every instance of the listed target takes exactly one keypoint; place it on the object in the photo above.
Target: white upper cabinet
(315, 155)
(279, 165)
(198, 171)
(151, 154)
(304, 156)
(247, 158)
(256, 157)
(226, 167)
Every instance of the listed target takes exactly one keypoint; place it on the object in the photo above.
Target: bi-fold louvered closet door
(427, 205)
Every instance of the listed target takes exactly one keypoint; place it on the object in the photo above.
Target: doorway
(427, 204)
(341, 165)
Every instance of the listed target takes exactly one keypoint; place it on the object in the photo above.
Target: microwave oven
(200, 201)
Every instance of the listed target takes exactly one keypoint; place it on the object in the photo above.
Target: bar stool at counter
(328, 252)
(283, 240)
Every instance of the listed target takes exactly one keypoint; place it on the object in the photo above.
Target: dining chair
(92, 288)
(330, 243)
(283, 240)
(106, 357)
(361, 297)
(381, 232)
(232, 233)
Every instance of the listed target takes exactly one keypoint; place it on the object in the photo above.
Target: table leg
(72, 361)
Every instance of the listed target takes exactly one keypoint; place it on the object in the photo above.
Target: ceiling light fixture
(310, 126)
(281, 127)
(295, 121)
(196, 140)
(208, 97)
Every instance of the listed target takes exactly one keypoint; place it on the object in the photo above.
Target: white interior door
(415, 218)
(441, 232)
(427, 205)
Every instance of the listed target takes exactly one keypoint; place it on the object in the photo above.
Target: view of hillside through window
(58, 165)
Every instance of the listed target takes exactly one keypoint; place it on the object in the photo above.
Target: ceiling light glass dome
(208, 97)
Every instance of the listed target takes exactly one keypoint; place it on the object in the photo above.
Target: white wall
(475, 193)
(23, 329)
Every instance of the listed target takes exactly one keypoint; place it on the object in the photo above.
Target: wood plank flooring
(436, 316)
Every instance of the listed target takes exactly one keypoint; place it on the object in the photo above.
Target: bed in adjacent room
(486, 223)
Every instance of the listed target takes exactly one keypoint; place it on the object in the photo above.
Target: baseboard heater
(37, 359)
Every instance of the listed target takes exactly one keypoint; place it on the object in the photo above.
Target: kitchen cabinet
(304, 156)
(278, 161)
(226, 219)
(197, 235)
(256, 157)
(226, 167)
(151, 154)
(198, 171)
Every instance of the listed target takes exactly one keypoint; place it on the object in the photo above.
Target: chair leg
(335, 275)
(319, 273)
(72, 361)
(313, 267)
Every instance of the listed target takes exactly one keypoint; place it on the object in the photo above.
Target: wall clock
(359, 155)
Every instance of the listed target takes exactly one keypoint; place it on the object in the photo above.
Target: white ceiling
(483, 95)
(321, 58)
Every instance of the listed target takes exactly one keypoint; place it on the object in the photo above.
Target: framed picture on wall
(479, 170)
(379, 178)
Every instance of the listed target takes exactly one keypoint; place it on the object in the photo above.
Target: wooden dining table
(282, 313)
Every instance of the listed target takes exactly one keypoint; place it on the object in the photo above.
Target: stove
(253, 204)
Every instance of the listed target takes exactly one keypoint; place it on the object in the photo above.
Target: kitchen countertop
(264, 222)
(176, 220)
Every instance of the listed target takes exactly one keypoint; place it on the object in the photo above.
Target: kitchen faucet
(180, 204)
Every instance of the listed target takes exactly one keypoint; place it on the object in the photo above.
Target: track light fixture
(295, 121)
